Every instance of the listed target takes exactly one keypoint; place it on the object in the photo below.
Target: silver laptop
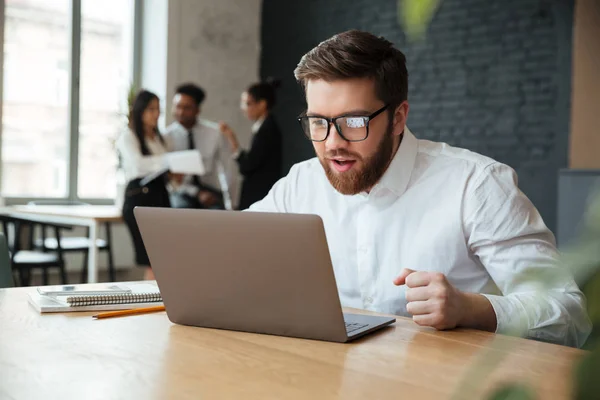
(247, 271)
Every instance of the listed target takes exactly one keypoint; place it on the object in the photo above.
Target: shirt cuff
(191, 190)
(185, 189)
(511, 317)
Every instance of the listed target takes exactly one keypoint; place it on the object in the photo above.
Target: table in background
(80, 215)
(71, 355)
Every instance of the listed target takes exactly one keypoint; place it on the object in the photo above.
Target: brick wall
(492, 76)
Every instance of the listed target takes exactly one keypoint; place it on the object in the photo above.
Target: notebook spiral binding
(77, 301)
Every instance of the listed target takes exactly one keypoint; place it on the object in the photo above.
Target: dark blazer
(261, 165)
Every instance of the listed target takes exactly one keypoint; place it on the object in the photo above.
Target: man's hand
(431, 299)
(207, 198)
(177, 178)
(434, 302)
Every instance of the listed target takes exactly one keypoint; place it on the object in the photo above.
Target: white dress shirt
(255, 127)
(443, 209)
(216, 156)
(257, 124)
(133, 163)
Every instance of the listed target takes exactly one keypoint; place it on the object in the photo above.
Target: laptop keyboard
(352, 326)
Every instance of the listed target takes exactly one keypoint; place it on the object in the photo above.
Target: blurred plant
(131, 92)
(415, 16)
(583, 258)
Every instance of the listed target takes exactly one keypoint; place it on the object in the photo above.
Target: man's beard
(356, 181)
(188, 123)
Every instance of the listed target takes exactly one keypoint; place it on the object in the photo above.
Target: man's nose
(334, 141)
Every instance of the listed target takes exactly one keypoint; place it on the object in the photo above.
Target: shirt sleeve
(173, 139)
(137, 164)
(540, 298)
(227, 169)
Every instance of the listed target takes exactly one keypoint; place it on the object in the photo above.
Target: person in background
(261, 164)
(190, 132)
(141, 149)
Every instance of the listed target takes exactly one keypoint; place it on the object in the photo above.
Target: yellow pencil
(129, 312)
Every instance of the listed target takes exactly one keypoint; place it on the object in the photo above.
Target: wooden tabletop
(71, 355)
(97, 213)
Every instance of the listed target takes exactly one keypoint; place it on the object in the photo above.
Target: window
(35, 100)
(106, 60)
(37, 123)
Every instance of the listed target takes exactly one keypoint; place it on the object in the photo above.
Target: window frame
(73, 104)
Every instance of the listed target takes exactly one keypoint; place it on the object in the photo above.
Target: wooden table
(67, 356)
(85, 215)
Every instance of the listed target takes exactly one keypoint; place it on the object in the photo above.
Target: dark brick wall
(492, 76)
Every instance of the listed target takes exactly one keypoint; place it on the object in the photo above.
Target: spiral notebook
(141, 295)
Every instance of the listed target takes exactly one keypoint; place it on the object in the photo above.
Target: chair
(19, 232)
(6, 274)
(77, 244)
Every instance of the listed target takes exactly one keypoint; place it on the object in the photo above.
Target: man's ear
(400, 116)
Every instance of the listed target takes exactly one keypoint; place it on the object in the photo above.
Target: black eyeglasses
(352, 128)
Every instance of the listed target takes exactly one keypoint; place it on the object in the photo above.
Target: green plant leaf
(513, 392)
(592, 292)
(587, 384)
(415, 16)
(131, 95)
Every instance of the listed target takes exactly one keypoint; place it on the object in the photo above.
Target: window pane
(106, 65)
(35, 98)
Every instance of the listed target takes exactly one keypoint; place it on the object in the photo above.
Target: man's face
(185, 110)
(354, 167)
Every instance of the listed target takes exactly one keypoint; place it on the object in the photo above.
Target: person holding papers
(190, 132)
(414, 227)
(261, 164)
(142, 151)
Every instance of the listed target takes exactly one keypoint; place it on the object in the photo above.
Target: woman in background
(261, 164)
(142, 149)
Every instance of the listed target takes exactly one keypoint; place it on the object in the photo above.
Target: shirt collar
(256, 126)
(178, 125)
(398, 173)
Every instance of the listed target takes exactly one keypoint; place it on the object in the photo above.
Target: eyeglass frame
(333, 120)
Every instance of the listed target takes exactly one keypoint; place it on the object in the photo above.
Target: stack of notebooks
(95, 297)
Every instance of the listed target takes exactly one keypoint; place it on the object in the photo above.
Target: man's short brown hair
(357, 54)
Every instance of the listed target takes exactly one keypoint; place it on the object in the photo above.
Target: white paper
(187, 162)
(211, 124)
